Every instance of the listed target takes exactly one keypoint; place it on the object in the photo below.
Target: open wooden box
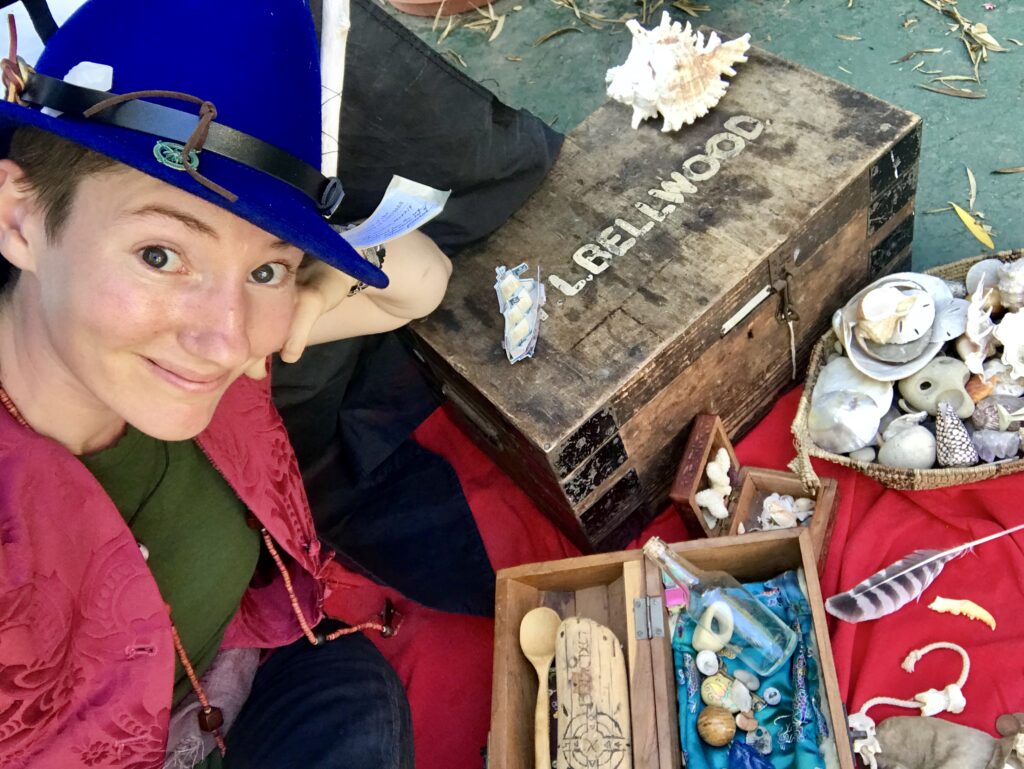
(751, 485)
(624, 592)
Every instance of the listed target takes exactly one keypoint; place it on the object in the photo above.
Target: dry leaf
(972, 187)
(691, 9)
(554, 33)
(844, 69)
(946, 90)
(1010, 170)
(514, 58)
(457, 58)
(973, 227)
(447, 30)
(910, 55)
(497, 29)
(909, 21)
(948, 78)
(1015, 41)
(851, 38)
(937, 210)
(437, 16)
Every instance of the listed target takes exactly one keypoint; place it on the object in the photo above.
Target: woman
(156, 539)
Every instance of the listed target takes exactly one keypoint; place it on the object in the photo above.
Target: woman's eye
(269, 274)
(160, 258)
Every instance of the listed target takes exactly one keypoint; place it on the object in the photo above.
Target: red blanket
(445, 659)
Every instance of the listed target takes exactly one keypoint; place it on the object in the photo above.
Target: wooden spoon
(538, 635)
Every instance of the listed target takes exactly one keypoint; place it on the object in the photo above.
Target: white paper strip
(406, 205)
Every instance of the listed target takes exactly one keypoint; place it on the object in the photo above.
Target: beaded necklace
(210, 716)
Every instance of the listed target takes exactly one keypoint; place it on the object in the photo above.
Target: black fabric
(392, 509)
(407, 111)
(40, 14)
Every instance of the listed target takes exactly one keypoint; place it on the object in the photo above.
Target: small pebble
(772, 696)
(747, 678)
(708, 662)
(746, 721)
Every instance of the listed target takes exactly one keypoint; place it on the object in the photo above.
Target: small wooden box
(606, 588)
(751, 485)
(684, 272)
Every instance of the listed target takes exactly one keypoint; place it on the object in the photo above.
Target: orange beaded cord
(197, 687)
(312, 637)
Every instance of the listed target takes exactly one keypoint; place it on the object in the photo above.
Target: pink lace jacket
(86, 656)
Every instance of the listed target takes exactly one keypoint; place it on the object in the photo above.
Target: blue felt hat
(250, 65)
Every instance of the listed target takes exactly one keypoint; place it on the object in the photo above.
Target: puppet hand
(321, 289)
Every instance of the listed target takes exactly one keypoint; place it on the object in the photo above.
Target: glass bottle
(726, 612)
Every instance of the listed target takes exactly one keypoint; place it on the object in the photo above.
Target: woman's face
(154, 301)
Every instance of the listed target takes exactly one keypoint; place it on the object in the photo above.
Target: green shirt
(202, 552)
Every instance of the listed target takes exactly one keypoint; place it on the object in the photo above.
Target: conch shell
(672, 71)
(963, 608)
(978, 341)
(1010, 332)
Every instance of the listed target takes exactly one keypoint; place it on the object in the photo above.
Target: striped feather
(898, 584)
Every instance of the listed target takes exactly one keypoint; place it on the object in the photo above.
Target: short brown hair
(53, 168)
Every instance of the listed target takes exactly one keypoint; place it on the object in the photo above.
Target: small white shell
(986, 270)
(1011, 284)
(1005, 383)
(708, 662)
(905, 422)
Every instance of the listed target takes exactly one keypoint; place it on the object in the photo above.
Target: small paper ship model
(520, 301)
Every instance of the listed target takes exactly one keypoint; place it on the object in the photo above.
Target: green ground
(562, 80)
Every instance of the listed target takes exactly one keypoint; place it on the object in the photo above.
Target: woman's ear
(15, 214)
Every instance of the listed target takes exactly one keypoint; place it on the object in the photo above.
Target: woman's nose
(216, 324)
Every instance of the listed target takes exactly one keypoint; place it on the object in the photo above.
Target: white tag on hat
(406, 205)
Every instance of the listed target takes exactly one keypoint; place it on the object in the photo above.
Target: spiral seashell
(1011, 285)
(953, 446)
(672, 71)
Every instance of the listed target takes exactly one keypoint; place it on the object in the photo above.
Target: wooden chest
(609, 588)
(681, 271)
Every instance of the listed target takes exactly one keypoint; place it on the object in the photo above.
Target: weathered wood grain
(653, 714)
(650, 245)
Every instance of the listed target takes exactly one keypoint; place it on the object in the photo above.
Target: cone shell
(953, 446)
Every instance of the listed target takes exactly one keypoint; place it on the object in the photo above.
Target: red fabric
(86, 656)
(445, 660)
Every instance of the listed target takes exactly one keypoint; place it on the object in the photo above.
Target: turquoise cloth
(796, 723)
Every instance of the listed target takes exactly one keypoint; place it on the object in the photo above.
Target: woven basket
(893, 477)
